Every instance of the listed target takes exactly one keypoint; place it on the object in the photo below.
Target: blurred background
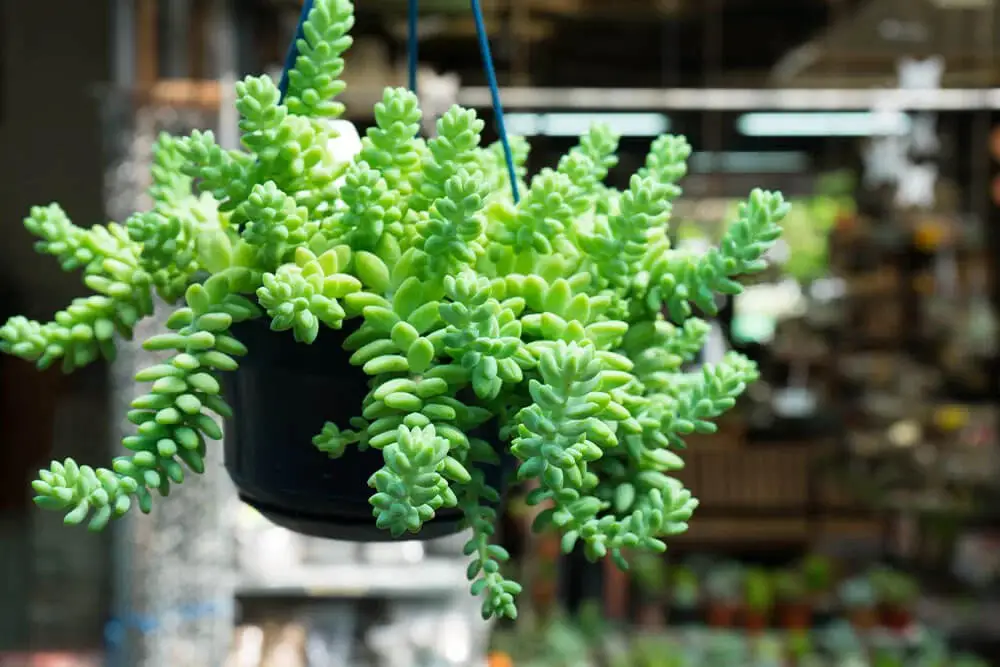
(849, 505)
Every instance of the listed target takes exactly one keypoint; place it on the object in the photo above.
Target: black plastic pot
(281, 396)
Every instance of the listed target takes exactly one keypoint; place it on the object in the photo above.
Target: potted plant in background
(658, 651)
(793, 600)
(885, 657)
(969, 660)
(857, 597)
(563, 644)
(758, 600)
(799, 645)
(840, 640)
(649, 576)
(559, 641)
(931, 651)
(723, 593)
(817, 572)
(896, 593)
(768, 651)
(725, 647)
(685, 595)
(388, 334)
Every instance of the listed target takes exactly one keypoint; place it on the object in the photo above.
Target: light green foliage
(450, 154)
(371, 217)
(472, 315)
(315, 80)
(498, 593)
(678, 280)
(591, 160)
(174, 419)
(494, 164)
(537, 225)
(304, 293)
(169, 234)
(619, 242)
(667, 162)
(83, 332)
(392, 146)
(275, 223)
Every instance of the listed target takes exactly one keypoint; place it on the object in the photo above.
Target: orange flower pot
(795, 616)
(721, 616)
(755, 621)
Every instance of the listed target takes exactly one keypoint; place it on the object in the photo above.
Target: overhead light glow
(744, 162)
(576, 124)
(835, 124)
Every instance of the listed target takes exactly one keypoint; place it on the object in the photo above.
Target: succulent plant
(932, 650)
(969, 660)
(758, 590)
(649, 571)
(800, 643)
(841, 640)
(563, 318)
(768, 651)
(886, 657)
(658, 651)
(857, 593)
(893, 587)
(684, 587)
(725, 648)
(817, 573)
(790, 586)
(724, 583)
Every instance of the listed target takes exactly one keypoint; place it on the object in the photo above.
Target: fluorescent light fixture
(835, 124)
(735, 99)
(576, 124)
(749, 162)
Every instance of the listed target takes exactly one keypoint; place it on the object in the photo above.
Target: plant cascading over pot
(391, 337)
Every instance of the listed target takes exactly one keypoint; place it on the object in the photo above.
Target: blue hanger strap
(293, 49)
(491, 79)
(412, 48)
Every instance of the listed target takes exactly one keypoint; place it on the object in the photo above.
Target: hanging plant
(397, 324)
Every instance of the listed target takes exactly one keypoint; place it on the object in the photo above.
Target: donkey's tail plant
(553, 331)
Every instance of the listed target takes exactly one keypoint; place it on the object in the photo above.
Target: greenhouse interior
(672, 327)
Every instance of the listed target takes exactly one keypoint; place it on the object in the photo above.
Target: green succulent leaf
(174, 421)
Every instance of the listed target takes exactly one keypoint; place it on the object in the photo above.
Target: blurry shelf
(206, 93)
(727, 530)
(426, 578)
(736, 99)
(861, 527)
(977, 618)
(186, 93)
